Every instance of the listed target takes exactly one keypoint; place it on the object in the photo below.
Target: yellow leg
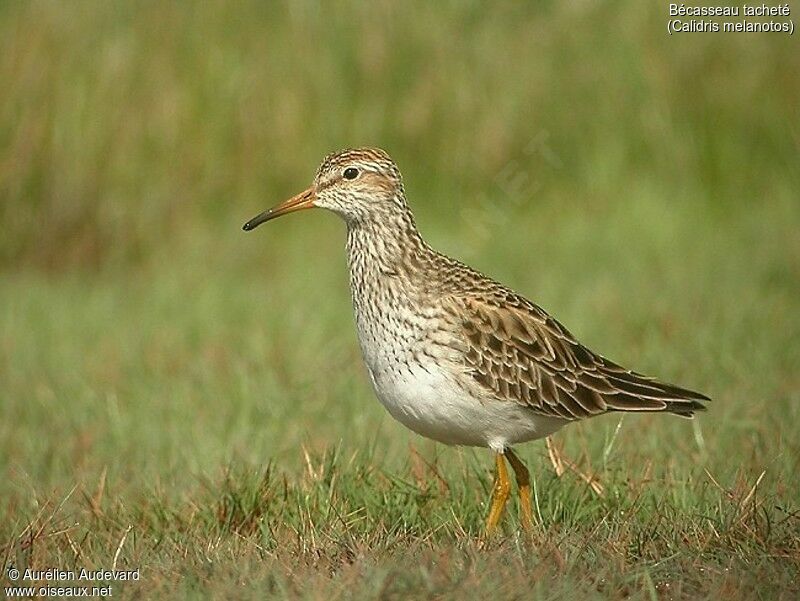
(502, 487)
(524, 487)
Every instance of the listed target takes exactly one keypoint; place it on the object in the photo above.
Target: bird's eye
(350, 173)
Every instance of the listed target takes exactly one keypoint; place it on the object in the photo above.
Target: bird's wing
(516, 351)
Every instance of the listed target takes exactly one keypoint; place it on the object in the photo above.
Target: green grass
(189, 400)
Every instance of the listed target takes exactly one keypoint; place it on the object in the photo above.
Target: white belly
(430, 403)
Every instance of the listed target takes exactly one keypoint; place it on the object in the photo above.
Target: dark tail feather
(636, 392)
(686, 409)
(627, 402)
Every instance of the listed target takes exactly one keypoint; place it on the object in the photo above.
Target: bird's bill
(304, 200)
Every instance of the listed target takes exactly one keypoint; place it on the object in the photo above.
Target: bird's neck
(388, 245)
(388, 262)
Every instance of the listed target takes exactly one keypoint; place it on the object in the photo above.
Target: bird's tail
(636, 392)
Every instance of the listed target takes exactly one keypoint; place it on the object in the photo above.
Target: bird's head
(360, 185)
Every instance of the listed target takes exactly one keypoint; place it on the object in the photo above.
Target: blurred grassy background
(125, 128)
(644, 188)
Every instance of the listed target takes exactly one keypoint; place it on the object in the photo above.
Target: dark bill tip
(257, 220)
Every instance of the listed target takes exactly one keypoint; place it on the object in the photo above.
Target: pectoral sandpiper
(454, 355)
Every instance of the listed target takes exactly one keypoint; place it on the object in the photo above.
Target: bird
(452, 354)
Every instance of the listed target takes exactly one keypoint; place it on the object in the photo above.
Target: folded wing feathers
(520, 353)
